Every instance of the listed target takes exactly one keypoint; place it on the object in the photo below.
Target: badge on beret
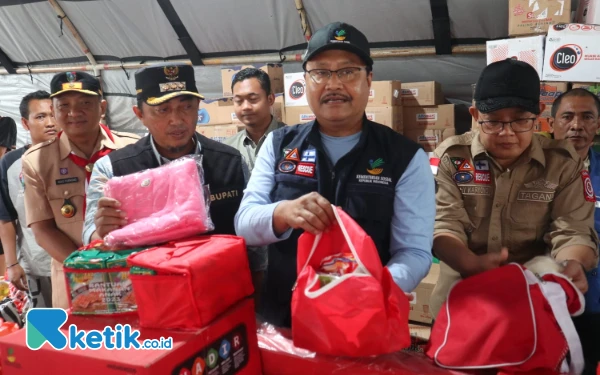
(171, 72)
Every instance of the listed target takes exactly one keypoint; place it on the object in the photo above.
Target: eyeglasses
(345, 75)
(521, 125)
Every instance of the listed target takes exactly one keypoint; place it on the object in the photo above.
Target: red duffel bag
(359, 314)
(195, 280)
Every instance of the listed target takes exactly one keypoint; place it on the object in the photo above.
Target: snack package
(98, 281)
(334, 266)
(163, 204)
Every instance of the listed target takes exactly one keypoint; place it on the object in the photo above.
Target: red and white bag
(359, 314)
(511, 320)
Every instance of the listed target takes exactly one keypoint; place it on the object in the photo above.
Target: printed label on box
(227, 355)
(370, 116)
(410, 92)
(427, 116)
(307, 117)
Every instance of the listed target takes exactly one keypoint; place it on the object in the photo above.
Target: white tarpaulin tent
(103, 35)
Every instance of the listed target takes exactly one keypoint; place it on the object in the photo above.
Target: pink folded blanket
(162, 204)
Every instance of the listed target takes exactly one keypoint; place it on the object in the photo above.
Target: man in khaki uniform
(505, 194)
(56, 172)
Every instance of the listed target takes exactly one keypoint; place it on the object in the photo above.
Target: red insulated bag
(362, 313)
(196, 280)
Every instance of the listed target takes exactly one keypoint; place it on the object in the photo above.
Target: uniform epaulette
(40, 145)
(560, 145)
(457, 140)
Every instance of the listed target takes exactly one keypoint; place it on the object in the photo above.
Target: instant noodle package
(98, 282)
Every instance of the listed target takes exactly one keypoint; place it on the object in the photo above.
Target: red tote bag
(359, 314)
(196, 280)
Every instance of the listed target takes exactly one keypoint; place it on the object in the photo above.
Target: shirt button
(66, 193)
(495, 238)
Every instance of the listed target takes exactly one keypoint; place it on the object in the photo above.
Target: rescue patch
(70, 180)
(457, 162)
(535, 196)
(475, 190)
(293, 155)
(305, 169)
(463, 177)
(588, 189)
(482, 165)
(465, 166)
(286, 166)
(483, 178)
(309, 156)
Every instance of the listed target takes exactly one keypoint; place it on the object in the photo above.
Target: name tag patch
(475, 190)
(70, 180)
(224, 195)
(535, 196)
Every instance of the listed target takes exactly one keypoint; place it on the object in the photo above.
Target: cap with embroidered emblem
(75, 81)
(339, 35)
(157, 84)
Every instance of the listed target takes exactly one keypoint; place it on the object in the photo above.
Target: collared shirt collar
(66, 147)
(534, 151)
(161, 159)
(247, 141)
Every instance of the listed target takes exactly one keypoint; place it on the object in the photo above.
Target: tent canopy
(32, 35)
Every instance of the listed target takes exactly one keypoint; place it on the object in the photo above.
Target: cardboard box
(529, 50)
(385, 93)
(429, 139)
(419, 306)
(417, 94)
(298, 115)
(572, 53)
(549, 91)
(588, 12)
(275, 72)
(218, 132)
(225, 112)
(543, 124)
(295, 90)
(593, 87)
(530, 17)
(433, 117)
(210, 113)
(388, 116)
(191, 352)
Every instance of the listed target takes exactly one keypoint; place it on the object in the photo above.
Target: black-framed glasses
(521, 125)
(345, 74)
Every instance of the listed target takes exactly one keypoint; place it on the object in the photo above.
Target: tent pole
(378, 53)
(306, 29)
(84, 48)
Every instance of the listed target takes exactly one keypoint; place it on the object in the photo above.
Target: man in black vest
(168, 106)
(380, 178)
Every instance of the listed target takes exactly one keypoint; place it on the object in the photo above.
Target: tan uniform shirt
(536, 207)
(246, 146)
(51, 178)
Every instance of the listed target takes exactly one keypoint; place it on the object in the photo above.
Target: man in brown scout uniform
(505, 194)
(56, 172)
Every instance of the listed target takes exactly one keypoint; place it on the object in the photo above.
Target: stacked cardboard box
(275, 72)
(217, 119)
(425, 119)
(384, 106)
(530, 17)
